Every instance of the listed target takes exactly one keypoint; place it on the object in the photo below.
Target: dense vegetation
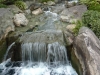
(91, 18)
(92, 4)
(19, 3)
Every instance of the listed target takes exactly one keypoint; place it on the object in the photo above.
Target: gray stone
(46, 36)
(20, 19)
(6, 22)
(51, 3)
(73, 13)
(87, 50)
(37, 11)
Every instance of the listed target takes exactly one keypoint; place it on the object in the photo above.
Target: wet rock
(50, 3)
(37, 11)
(73, 13)
(20, 19)
(47, 36)
(87, 50)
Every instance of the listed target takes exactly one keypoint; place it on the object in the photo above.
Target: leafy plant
(91, 4)
(2, 5)
(79, 24)
(20, 4)
(45, 0)
(91, 19)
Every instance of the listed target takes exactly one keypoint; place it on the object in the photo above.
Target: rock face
(6, 23)
(20, 19)
(73, 13)
(87, 50)
(6, 26)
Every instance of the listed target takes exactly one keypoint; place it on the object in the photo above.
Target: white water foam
(37, 69)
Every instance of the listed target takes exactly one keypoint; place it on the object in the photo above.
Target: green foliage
(91, 19)
(45, 0)
(20, 4)
(2, 5)
(78, 26)
(92, 4)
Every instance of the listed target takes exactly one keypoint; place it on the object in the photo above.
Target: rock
(6, 26)
(64, 18)
(50, 3)
(87, 50)
(69, 37)
(73, 13)
(34, 6)
(15, 9)
(70, 27)
(20, 19)
(28, 11)
(37, 11)
(69, 4)
(6, 23)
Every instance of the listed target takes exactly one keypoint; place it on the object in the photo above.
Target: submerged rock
(20, 19)
(87, 50)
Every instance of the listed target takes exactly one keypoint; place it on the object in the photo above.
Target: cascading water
(43, 55)
(9, 47)
(39, 59)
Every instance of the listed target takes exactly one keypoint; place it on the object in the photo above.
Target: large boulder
(6, 26)
(72, 14)
(20, 19)
(6, 22)
(87, 50)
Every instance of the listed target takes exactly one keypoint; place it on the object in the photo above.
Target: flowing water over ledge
(39, 59)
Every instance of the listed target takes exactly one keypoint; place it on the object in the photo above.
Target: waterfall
(9, 47)
(33, 52)
(39, 59)
(39, 52)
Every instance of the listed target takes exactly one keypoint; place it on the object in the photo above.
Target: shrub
(91, 19)
(20, 4)
(78, 25)
(2, 5)
(91, 4)
(45, 0)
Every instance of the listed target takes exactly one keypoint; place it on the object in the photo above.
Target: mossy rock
(3, 48)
